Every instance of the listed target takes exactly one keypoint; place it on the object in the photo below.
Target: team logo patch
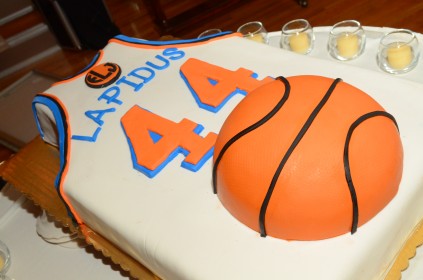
(102, 75)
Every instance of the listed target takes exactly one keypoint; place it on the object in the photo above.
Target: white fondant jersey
(134, 132)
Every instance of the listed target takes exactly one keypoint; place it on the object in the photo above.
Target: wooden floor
(133, 20)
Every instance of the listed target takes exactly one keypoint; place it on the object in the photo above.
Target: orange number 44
(154, 141)
(212, 86)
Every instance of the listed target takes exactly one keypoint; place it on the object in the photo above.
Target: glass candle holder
(254, 31)
(346, 40)
(209, 32)
(297, 36)
(398, 51)
(4, 261)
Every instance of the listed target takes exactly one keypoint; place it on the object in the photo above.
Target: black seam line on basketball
(347, 169)
(251, 128)
(300, 135)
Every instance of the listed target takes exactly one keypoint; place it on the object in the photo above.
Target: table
(189, 16)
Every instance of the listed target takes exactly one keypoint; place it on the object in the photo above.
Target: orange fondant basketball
(307, 158)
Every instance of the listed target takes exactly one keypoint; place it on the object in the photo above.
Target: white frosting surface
(174, 224)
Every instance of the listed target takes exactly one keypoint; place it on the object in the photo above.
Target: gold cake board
(33, 170)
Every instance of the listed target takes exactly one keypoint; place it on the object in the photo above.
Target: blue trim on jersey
(128, 39)
(61, 125)
(61, 129)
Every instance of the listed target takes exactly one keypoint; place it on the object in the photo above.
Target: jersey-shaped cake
(137, 129)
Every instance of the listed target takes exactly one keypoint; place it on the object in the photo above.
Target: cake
(307, 158)
(136, 131)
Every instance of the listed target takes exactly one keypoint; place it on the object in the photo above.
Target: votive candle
(399, 56)
(299, 43)
(347, 45)
(256, 37)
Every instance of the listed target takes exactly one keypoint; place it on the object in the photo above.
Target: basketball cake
(288, 148)
(297, 149)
